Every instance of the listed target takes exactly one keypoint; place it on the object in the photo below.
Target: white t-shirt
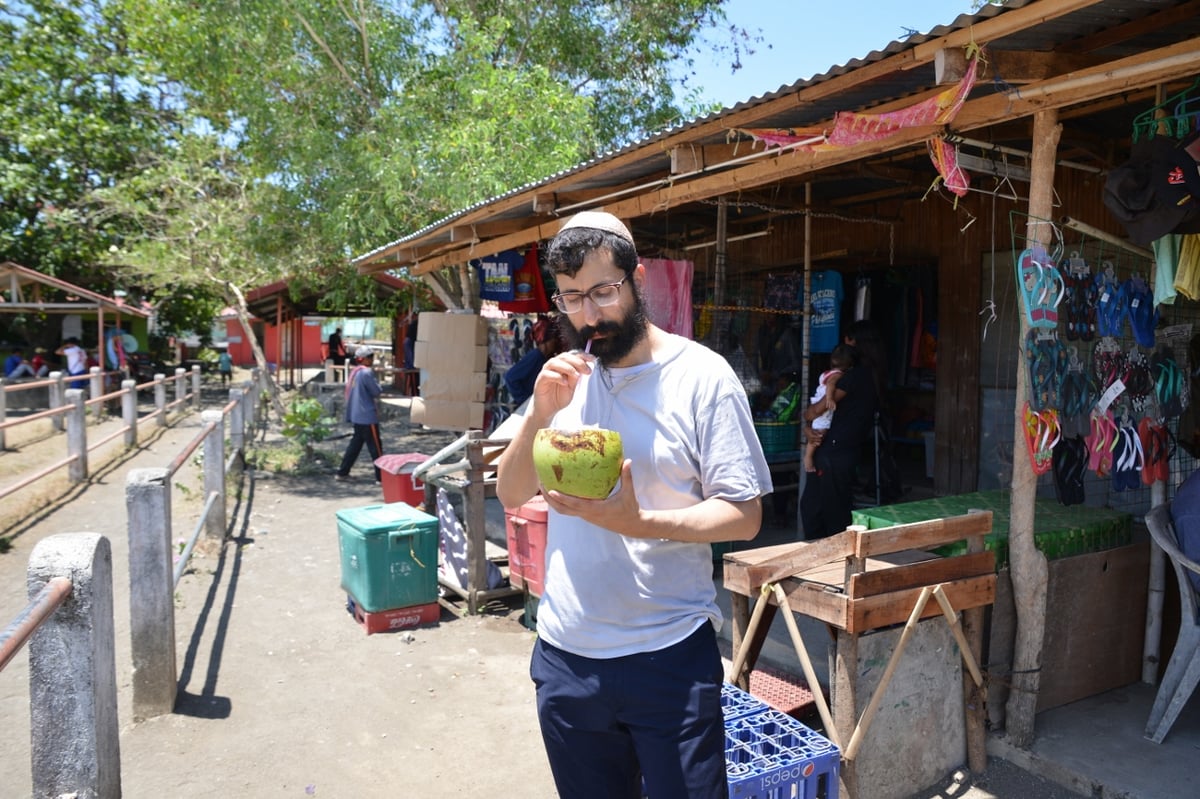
(686, 424)
(76, 359)
(823, 421)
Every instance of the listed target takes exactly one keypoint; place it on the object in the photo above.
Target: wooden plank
(871, 613)
(923, 535)
(816, 602)
(805, 555)
(942, 570)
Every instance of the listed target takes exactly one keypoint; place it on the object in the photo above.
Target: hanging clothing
(1166, 263)
(825, 307)
(668, 294)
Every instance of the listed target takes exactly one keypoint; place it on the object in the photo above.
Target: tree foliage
(75, 114)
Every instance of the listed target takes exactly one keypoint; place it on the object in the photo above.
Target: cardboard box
(440, 358)
(447, 414)
(466, 387)
(456, 331)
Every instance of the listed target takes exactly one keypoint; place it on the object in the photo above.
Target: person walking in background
(626, 665)
(225, 367)
(337, 350)
(77, 361)
(362, 396)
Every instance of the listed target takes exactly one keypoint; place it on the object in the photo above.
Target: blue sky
(802, 38)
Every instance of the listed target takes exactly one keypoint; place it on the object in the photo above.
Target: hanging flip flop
(1108, 363)
(1078, 396)
(1047, 360)
(1138, 299)
(1168, 382)
(1128, 457)
(1041, 434)
(1110, 307)
(1139, 383)
(1070, 465)
(1101, 442)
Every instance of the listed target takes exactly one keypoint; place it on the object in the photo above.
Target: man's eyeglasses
(601, 296)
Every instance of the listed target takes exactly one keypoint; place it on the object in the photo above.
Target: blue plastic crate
(736, 703)
(769, 755)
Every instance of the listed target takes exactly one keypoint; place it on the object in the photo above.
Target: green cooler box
(389, 556)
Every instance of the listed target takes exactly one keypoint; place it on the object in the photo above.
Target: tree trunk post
(1028, 565)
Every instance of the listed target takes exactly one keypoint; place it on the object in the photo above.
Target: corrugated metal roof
(647, 158)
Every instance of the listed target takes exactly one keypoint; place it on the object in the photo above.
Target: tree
(75, 113)
(370, 118)
(195, 225)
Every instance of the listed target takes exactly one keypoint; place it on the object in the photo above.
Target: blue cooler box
(389, 556)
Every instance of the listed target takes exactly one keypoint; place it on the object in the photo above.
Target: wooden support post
(1027, 564)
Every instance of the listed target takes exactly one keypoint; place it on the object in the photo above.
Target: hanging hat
(1147, 196)
(1184, 165)
(599, 220)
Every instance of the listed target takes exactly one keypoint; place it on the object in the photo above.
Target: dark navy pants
(607, 724)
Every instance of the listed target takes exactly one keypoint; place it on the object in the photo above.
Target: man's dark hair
(569, 249)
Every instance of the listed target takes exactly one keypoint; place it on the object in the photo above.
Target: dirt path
(281, 693)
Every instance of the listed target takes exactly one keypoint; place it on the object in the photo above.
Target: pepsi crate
(769, 755)
(736, 703)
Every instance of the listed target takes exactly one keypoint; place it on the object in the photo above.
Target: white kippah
(599, 220)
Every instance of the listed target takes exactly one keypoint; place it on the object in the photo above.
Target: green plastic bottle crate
(389, 556)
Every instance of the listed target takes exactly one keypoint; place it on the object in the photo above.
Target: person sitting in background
(521, 375)
(16, 366)
(38, 362)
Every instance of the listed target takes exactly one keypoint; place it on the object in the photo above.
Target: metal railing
(69, 623)
(68, 410)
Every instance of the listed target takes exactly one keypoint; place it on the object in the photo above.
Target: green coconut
(583, 463)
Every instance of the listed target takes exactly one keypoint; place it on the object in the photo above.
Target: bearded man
(626, 665)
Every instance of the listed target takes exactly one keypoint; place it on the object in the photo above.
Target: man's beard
(619, 337)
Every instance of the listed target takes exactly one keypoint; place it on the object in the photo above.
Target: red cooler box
(395, 472)
(526, 532)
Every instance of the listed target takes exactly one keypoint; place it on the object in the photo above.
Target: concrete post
(77, 470)
(96, 382)
(74, 735)
(237, 421)
(328, 371)
(160, 399)
(214, 474)
(57, 392)
(196, 386)
(180, 385)
(129, 412)
(151, 592)
(255, 394)
(3, 410)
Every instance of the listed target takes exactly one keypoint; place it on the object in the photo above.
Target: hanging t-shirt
(529, 295)
(496, 274)
(825, 311)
